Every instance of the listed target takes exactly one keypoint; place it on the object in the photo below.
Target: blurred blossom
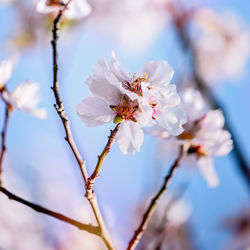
(135, 101)
(7, 1)
(135, 25)
(223, 45)
(20, 228)
(75, 10)
(6, 68)
(26, 98)
(239, 225)
(204, 132)
(168, 229)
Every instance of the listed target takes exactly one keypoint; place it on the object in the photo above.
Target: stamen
(125, 110)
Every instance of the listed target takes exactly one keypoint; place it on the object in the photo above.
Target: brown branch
(86, 227)
(69, 138)
(106, 150)
(3, 135)
(151, 208)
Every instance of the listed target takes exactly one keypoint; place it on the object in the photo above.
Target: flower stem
(151, 208)
(101, 157)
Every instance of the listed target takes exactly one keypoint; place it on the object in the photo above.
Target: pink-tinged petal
(172, 119)
(129, 137)
(94, 112)
(158, 72)
(6, 68)
(206, 167)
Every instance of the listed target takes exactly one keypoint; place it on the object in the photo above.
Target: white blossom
(76, 9)
(204, 132)
(222, 46)
(6, 68)
(134, 100)
(26, 98)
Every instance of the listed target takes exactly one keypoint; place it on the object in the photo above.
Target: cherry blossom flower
(134, 100)
(204, 132)
(222, 47)
(76, 9)
(26, 98)
(5, 72)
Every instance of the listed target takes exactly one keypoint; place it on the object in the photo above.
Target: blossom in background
(76, 9)
(222, 47)
(137, 23)
(135, 101)
(20, 228)
(26, 98)
(6, 68)
(204, 132)
(168, 229)
(239, 226)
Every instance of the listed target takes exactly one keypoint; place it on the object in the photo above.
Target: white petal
(6, 68)
(26, 98)
(213, 119)
(194, 104)
(94, 112)
(144, 116)
(172, 119)
(206, 167)
(78, 9)
(117, 69)
(158, 72)
(40, 113)
(129, 137)
(166, 96)
(42, 7)
(99, 86)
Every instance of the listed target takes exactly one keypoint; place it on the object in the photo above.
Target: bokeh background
(39, 164)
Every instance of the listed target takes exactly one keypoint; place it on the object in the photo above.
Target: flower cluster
(25, 97)
(135, 101)
(203, 132)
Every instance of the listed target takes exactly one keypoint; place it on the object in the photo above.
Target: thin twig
(69, 138)
(151, 208)
(86, 227)
(3, 135)
(95, 174)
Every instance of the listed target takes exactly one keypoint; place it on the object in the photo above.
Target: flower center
(125, 110)
(135, 84)
(53, 3)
